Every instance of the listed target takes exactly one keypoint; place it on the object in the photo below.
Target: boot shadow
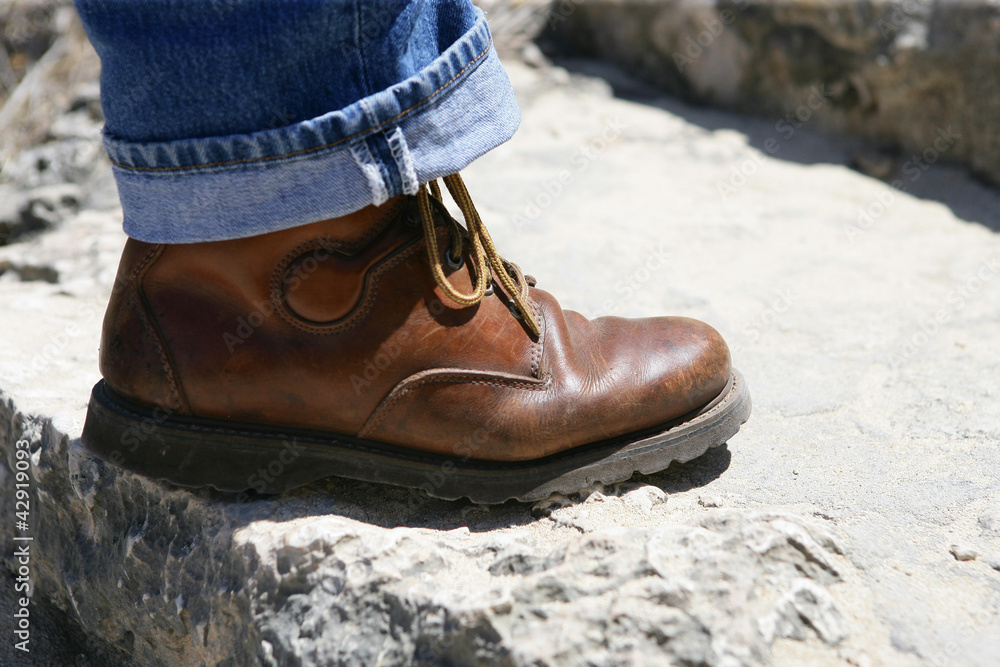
(393, 507)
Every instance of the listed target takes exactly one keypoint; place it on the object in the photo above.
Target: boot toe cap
(691, 364)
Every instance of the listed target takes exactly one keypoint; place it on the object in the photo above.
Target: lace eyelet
(514, 311)
(489, 290)
(453, 263)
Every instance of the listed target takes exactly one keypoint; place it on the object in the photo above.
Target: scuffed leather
(361, 341)
(133, 359)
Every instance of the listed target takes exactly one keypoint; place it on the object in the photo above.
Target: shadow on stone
(56, 638)
(393, 507)
(779, 137)
(681, 477)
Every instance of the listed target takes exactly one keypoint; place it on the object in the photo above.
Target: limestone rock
(53, 163)
(710, 501)
(806, 606)
(48, 63)
(515, 24)
(916, 76)
(989, 520)
(962, 552)
(166, 575)
(36, 210)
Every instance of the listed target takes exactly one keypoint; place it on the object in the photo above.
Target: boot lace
(485, 260)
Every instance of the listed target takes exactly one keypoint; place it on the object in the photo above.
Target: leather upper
(340, 326)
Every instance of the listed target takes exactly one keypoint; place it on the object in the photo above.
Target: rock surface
(865, 319)
(916, 76)
(343, 573)
(51, 160)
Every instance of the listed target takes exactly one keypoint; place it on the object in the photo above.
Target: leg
(320, 308)
(231, 118)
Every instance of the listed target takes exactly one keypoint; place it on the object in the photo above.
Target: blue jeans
(231, 118)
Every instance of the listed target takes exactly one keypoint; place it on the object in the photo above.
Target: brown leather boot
(391, 345)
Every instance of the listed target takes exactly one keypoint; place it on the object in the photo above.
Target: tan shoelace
(486, 262)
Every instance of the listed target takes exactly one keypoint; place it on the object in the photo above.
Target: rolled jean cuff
(387, 144)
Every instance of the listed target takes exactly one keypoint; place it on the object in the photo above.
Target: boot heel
(154, 443)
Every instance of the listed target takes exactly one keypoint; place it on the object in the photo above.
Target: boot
(391, 345)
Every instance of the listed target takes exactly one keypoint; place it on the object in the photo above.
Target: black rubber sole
(238, 457)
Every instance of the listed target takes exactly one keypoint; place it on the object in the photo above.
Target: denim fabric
(231, 118)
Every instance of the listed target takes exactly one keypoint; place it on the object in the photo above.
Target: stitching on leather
(368, 300)
(406, 456)
(390, 217)
(142, 306)
(275, 291)
(378, 415)
(728, 399)
(314, 149)
(352, 247)
(399, 391)
(147, 258)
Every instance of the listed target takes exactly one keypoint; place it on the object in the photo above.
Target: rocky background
(900, 73)
(854, 521)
